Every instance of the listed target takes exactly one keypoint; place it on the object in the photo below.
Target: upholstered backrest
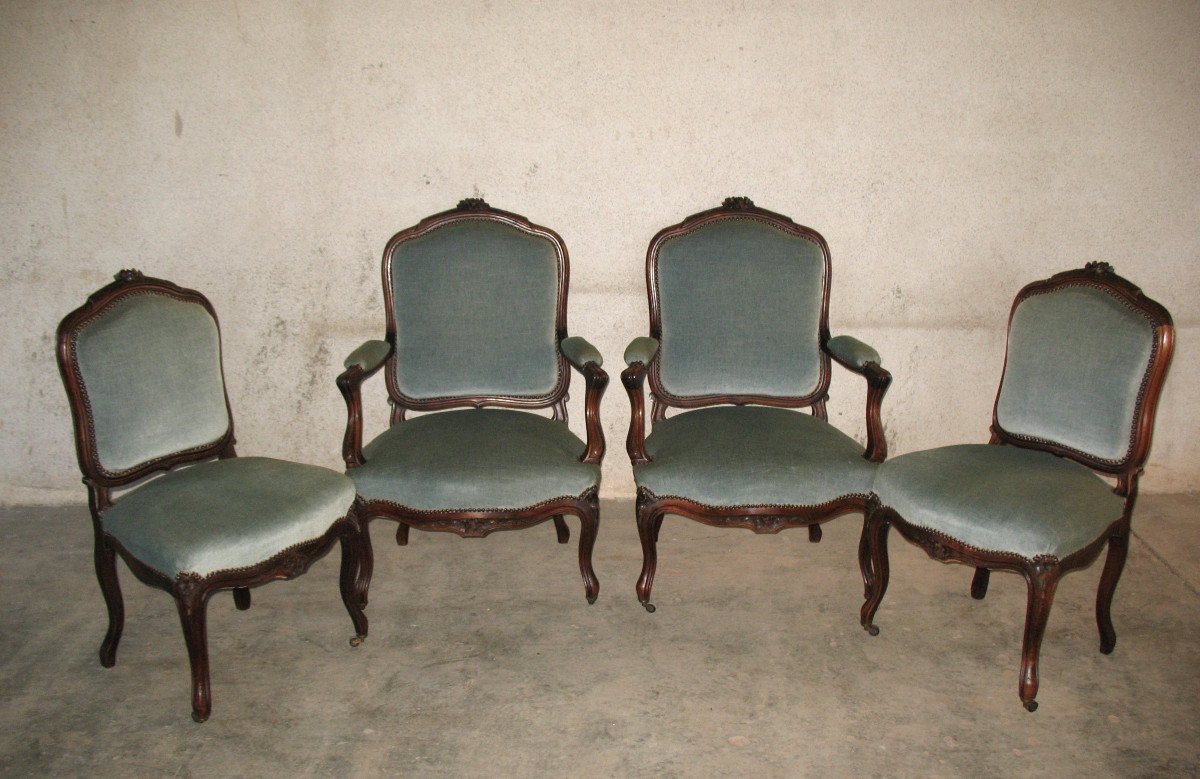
(148, 367)
(1078, 365)
(475, 306)
(741, 303)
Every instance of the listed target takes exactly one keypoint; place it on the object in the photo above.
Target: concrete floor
(485, 659)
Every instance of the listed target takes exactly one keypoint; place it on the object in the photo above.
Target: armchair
(476, 303)
(739, 340)
(1087, 356)
(141, 362)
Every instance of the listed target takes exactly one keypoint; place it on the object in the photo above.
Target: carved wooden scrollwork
(187, 585)
(473, 204)
(737, 203)
(1099, 267)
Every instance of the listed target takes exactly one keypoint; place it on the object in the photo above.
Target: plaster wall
(264, 152)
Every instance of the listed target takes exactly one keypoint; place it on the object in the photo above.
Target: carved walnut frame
(1042, 573)
(190, 591)
(651, 508)
(480, 523)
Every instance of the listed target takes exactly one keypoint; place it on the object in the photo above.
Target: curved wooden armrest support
(633, 377)
(597, 381)
(350, 384)
(878, 381)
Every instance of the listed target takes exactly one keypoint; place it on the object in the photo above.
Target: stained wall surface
(264, 152)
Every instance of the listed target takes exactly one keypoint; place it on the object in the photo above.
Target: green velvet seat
(227, 514)
(477, 347)
(474, 459)
(141, 363)
(1086, 358)
(1000, 498)
(740, 355)
(746, 455)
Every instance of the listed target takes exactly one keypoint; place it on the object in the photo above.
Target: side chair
(141, 362)
(1086, 359)
(739, 341)
(476, 306)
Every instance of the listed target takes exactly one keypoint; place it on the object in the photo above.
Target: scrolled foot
(649, 607)
(591, 599)
(1030, 705)
(357, 640)
(872, 630)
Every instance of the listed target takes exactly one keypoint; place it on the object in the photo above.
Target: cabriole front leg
(366, 558)
(878, 570)
(649, 520)
(1042, 578)
(589, 526)
(348, 583)
(192, 603)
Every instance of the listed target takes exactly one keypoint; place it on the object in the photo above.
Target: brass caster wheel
(357, 640)
(872, 630)
(649, 607)
(591, 599)
(1030, 705)
(197, 718)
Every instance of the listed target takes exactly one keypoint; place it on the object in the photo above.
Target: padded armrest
(641, 349)
(579, 352)
(369, 356)
(852, 352)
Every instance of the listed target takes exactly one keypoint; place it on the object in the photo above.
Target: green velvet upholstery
(151, 368)
(852, 351)
(753, 455)
(1076, 360)
(641, 349)
(741, 311)
(369, 356)
(579, 352)
(1000, 498)
(474, 303)
(227, 514)
(474, 459)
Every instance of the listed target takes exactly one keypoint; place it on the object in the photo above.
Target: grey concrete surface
(484, 659)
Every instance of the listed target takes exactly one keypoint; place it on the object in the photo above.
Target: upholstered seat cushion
(474, 459)
(227, 514)
(753, 455)
(1000, 498)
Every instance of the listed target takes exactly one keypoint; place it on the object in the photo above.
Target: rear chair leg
(110, 587)
(561, 529)
(979, 583)
(1118, 550)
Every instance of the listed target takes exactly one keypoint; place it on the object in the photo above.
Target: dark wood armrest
(350, 384)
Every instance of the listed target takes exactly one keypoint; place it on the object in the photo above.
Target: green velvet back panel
(151, 368)
(475, 304)
(740, 303)
(1076, 361)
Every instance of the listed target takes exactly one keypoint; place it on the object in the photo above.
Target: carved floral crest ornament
(472, 204)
